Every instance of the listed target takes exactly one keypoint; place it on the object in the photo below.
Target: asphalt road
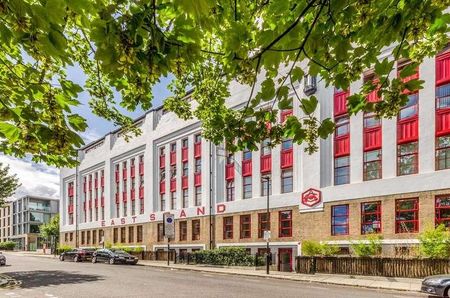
(50, 278)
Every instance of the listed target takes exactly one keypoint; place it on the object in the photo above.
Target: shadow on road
(42, 278)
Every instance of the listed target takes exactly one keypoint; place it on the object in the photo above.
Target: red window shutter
(162, 161)
(443, 68)
(103, 202)
(70, 209)
(184, 182)
(247, 167)
(102, 181)
(90, 184)
(372, 139)
(197, 149)
(70, 192)
(184, 154)
(442, 122)
(141, 169)
(173, 185)
(124, 196)
(132, 171)
(286, 158)
(162, 187)
(266, 163)
(141, 192)
(173, 158)
(342, 146)
(285, 114)
(125, 174)
(408, 130)
(229, 171)
(340, 102)
(197, 179)
(117, 176)
(133, 195)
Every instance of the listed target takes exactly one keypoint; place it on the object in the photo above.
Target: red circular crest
(311, 197)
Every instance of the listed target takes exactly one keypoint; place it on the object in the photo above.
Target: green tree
(371, 247)
(8, 183)
(128, 46)
(435, 242)
(50, 229)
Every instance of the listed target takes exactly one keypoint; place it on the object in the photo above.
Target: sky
(42, 180)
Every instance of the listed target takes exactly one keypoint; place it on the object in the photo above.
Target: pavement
(374, 282)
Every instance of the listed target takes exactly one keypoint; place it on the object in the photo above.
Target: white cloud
(36, 179)
(90, 135)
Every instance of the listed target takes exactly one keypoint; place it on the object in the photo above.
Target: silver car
(2, 259)
(437, 285)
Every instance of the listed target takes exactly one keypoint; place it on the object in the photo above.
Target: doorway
(285, 259)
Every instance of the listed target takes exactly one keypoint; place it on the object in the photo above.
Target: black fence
(376, 266)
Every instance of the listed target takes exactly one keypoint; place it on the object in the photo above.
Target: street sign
(169, 225)
(267, 235)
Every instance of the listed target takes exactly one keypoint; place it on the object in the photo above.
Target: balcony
(162, 187)
(407, 130)
(184, 182)
(184, 154)
(247, 167)
(141, 193)
(162, 161)
(286, 158)
(266, 163)
(197, 149)
(173, 158)
(70, 209)
(133, 194)
(173, 185)
(198, 179)
(229, 171)
(132, 171)
(141, 169)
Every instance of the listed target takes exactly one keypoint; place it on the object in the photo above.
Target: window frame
(182, 226)
(230, 191)
(378, 161)
(347, 166)
(378, 214)
(334, 217)
(284, 178)
(228, 227)
(245, 226)
(400, 156)
(196, 229)
(262, 224)
(438, 149)
(415, 221)
(438, 219)
(244, 185)
(281, 229)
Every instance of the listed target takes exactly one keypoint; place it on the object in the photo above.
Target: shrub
(328, 249)
(314, 248)
(435, 242)
(371, 248)
(63, 248)
(228, 256)
(7, 245)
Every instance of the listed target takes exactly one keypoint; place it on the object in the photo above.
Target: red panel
(162, 187)
(373, 96)
(443, 122)
(197, 149)
(90, 184)
(103, 202)
(247, 167)
(372, 138)
(342, 146)
(117, 176)
(124, 174)
(90, 204)
(124, 196)
(412, 77)
(133, 194)
(184, 182)
(141, 169)
(173, 184)
(70, 209)
(96, 183)
(443, 69)
(229, 171)
(184, 153)
(70, 192)
(340, 102)
(197, 179)
(162, 161)
(96, 203)
(285, 114)
(286, 158)
(407, 130)
(132, 171)
(173, 158)
(266, 163)
(141, 192)
(102, 181)
(117, 198)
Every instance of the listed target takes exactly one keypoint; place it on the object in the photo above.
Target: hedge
(227, 256)
(7, 245)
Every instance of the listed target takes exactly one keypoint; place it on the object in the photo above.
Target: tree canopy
(51, 228)
(8, 183)
(127, 46)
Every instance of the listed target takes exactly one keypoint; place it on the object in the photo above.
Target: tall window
(245, 226)
(160, 232)
(198, 165)
(183, 230)
(123, 235)
(162, 201)
(197, 138)
(196, 229)
(139, 234)
(184, 143)
(443, 152)
(264, 184)
(185, 198)
(247, 187)
(339, 220)
(407, 215)
(372, 165)
(443, 210)
(115, 235)
(285, 223)
(411, 108)
(228, 227)
(342, 170)
(198, 196)
(185, 169)
(130, 234)
(286, 144)
(246, 154)
(173, 200)
(263, 224)
(265, 147)
(371, 217)
(286, 181)
(407, 158)
(230, 190)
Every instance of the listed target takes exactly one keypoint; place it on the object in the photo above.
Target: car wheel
(447, 290)
(94, 260)
(75, 259)
(111, 261)
(61, 258)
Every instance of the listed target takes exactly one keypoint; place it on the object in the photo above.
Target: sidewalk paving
(377, 282)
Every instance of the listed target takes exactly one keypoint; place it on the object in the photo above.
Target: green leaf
(77, 122)
(297, 74)
(414, 85)
(383, 67)
(408, 70)
(326, 128)
(11, 132)
(267, 89)
(309, 105)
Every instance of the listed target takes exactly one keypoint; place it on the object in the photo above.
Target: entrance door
(285, 259)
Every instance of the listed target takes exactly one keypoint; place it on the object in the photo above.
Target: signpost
(169, 230)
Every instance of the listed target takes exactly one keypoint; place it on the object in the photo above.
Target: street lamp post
(267, 231)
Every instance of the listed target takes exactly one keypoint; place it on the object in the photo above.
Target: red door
(285, 259)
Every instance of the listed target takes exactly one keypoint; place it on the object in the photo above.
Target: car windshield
(119, 252)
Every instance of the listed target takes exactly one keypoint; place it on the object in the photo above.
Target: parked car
(113, 257)
(438, 285)
(2, 259)
(77, 255)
